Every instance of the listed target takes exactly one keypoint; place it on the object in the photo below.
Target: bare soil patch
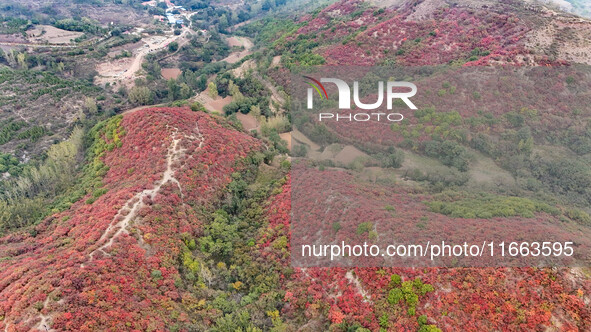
(248, 121)
(484, 171)
(238, 42)
(126, 70)
(212, 105)
(569, 37)
(426, 9)
(386, 3)
(243, 69)
(348, 154)
(276, 60)
(169, 73)
(49, 34)
(127, 47)
(217, 105)
(298, 136)
(112, 71)
(286, 137)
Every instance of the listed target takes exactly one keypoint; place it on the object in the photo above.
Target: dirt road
(125, 70)
(238, 41)
(150, 47)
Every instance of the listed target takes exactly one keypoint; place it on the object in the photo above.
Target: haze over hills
(148, 179)
(579, 7)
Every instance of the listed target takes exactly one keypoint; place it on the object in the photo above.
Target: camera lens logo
(315, 81)
(344, 98)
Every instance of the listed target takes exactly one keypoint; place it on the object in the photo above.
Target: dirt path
(238, 41)
(127, 73)
(45, 319)
(137, 61)
(353, 279)
(131, 110)
(131, 208)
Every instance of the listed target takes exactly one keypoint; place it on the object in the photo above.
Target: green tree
(223, 23)
(174, 90)
(212, 89)
(21, 58)
(173, 47)
(198, 107)
(141, 95)
(90, 105)
(185, 91)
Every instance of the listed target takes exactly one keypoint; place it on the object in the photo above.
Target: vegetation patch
(487, 206)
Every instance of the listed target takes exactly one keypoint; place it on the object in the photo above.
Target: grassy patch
(489, 206)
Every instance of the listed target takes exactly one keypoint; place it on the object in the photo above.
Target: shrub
(364, 227)
(579, 216)
(439, 176)
(515, 119)
(392, 158)
(279, 123)
(198, 107)
(450, 153)
(141, 95)
(173, 47)
(407, 292)
(299, 150)
(488, 206)
(156, 274)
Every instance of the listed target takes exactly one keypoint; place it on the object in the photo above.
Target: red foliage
(121, 291)
(469, 299)
(426, 36)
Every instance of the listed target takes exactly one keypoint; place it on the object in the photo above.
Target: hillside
(440, 32)
(190, 215)
(422, 33)
(579, 7)
(469, 299)
(112, 255)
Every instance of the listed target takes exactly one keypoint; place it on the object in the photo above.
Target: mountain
(578, 7)
(438, 32)
(179, 218)
(109, 261)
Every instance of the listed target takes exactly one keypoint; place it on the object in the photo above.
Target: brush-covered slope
(430, 32)
(507, 34)
(412, 299)
(110, 261)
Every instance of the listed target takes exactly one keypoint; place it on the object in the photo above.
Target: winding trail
(130, 209)
(353, 279)
(45, 319)
(126, 214)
